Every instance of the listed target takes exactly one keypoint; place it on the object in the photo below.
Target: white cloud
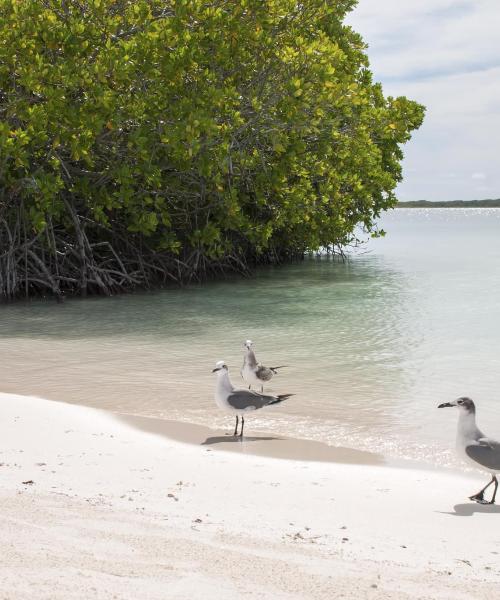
(478, 176)
(414, 39)
(443, 53)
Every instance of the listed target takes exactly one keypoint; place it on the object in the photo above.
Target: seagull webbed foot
(479, 498)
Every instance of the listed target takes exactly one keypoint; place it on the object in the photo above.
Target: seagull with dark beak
(238, 402)
(475, 447)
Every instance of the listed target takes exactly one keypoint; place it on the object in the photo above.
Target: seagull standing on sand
(253, 372)
(473, 445)
(239, 402)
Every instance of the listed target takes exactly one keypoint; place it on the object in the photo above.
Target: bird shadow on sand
(467, 510)
(221, 439)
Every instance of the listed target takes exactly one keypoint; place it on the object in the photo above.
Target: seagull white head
(248, 344)
(464, 404)
(219, 365)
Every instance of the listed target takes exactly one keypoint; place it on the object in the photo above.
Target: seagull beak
(445, 405)
(216, 369)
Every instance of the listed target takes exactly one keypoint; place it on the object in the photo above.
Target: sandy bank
(113, 512)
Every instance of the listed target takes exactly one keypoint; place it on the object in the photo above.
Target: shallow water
(373, 344)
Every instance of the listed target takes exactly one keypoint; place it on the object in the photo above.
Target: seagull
(473, 445)
(238, 402)
(252, 371)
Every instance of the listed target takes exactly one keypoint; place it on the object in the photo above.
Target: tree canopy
(154, 140)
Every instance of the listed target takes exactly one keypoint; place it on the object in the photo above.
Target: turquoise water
(373, 344)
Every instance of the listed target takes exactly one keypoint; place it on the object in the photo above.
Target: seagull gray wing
(247, 400)
(264, 373)
(486, 452)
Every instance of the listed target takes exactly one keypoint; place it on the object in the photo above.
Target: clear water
(373, 344)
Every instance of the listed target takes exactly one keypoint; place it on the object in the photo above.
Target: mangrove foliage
(154, 141)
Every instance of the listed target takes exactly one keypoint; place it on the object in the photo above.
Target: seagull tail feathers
(280, 398)
(274, 369)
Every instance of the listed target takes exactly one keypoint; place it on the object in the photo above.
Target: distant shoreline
(450, 204)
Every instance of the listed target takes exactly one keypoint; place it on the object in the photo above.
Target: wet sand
(272, 446)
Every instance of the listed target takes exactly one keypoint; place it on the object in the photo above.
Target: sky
(446, 55)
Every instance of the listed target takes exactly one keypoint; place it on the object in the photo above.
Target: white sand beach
(93, 507)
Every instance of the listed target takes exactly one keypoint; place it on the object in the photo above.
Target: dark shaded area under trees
(150, 142)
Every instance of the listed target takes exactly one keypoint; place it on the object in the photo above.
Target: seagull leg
(236, 428)
(495, 490)
(249, 387)
(479, 497)
(261, 389)
(242, 425)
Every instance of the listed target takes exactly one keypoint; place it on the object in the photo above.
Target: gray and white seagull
(237, 401)
(253, 372)
(474, 446)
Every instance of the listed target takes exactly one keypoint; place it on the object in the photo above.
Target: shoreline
(93, 507)
(269, 445)
(262, 444)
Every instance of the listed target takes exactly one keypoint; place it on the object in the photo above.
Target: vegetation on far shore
(450, 204)
(168, 140)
